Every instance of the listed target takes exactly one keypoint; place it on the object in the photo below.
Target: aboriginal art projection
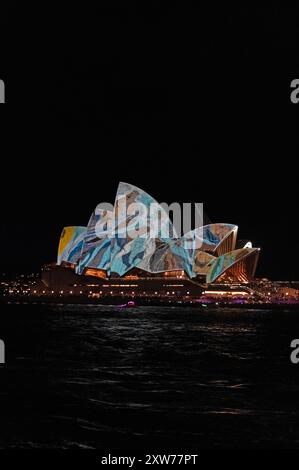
(122, 238)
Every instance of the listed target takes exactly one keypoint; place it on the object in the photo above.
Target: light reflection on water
(92, 376)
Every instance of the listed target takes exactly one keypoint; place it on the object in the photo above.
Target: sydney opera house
(105, 255)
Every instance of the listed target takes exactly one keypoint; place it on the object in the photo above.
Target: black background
(190, 103)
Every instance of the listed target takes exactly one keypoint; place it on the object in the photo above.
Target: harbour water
(102, 377)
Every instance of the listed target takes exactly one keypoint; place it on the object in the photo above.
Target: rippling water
(100, 377)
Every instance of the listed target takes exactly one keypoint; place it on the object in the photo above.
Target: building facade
(106, 249)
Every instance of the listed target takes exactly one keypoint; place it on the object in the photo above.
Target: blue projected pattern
(70, 244)
(96, 249)
(138, 233)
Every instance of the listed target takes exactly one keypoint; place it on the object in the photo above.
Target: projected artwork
(70, 244)
(137, 233)
(96, 247)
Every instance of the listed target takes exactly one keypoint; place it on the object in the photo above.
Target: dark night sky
(190, 104)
